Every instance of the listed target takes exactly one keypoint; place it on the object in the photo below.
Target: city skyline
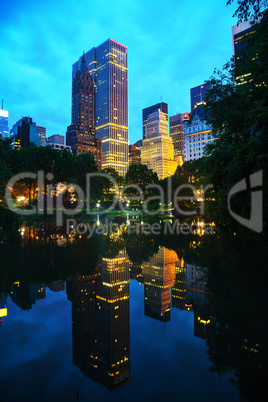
(43, 74)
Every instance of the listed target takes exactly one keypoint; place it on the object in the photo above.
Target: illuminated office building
(108, 67)
(159, 275)
(81, 134)
(24, 134)
(157, 151)
(42, 131)
(176, 127)
(162, 106)
(134, 155)
(112, 324)
(197, 95)
(239, 33)
(4, 130)
(25, 294)
(197, 134)
(101, 326)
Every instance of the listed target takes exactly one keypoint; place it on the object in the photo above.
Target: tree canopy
(248, 8)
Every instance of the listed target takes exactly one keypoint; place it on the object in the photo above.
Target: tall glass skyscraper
(108, 66)
(24, 134)
(4, 130)
(198, 95)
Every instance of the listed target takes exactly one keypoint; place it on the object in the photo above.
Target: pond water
(132, 317)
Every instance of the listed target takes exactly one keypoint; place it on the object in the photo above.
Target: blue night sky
(173, 46)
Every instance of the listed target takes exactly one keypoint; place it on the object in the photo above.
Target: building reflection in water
(189, 293)
(3, 307)
(25, 294)
(101, 325)
(159, 276)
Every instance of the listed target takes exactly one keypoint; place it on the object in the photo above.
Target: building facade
(108, 67)
(159, 275)
(42, 132)
(4, 130)
(152, 109)
(56, 141)
(197, 95)
(134, 155)
(24, 134)
(81, 134)
(197, 134)
(3, 307)
(157, 151)
(176, 126)
(239, 33)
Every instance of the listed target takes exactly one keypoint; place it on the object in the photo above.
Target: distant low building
(56, 141)
(24, 134)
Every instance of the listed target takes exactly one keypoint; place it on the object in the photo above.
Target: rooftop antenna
(161, 98)
(2, 104)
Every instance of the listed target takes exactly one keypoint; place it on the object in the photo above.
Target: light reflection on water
(128, 315)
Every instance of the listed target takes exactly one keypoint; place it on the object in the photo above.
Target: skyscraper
(81, 134)
(177, 134)
(24, 134)
(198, 95)
(42, 131)
(163, 107)
(134, 154)
(157, 151)
(108, 67)
(239, 33)
(4, 130)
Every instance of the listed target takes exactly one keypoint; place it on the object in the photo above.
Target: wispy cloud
(172, 47)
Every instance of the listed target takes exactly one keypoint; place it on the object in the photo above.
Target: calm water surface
(131, 317)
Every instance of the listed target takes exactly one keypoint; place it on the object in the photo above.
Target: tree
(239, 116)
(5, 169)
(140, 175)
(85, 163)
(248, 8)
